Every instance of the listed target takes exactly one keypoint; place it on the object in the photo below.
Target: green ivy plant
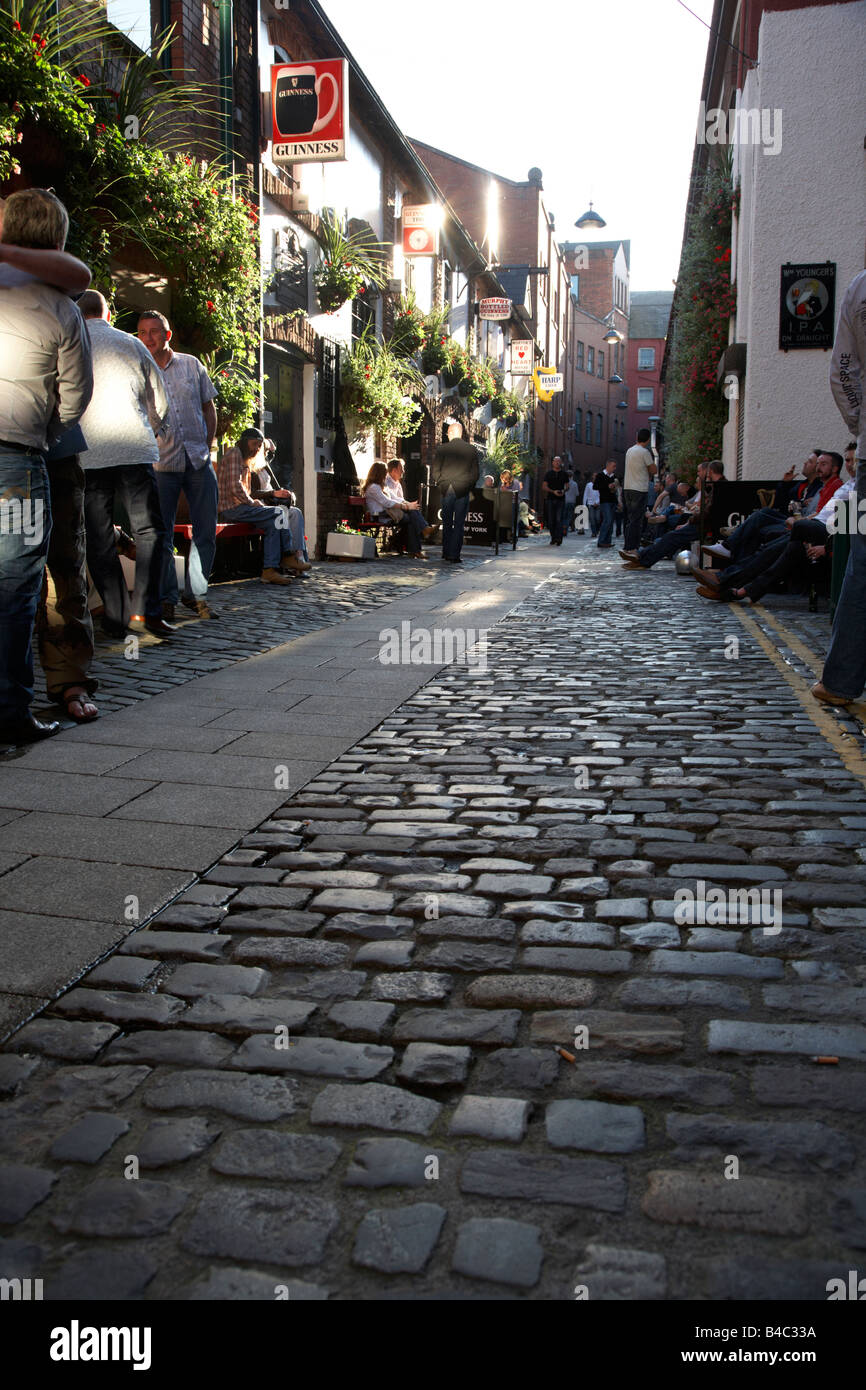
(128, 198)
(695, 411)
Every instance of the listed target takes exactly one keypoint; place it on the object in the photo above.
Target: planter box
(342, 547)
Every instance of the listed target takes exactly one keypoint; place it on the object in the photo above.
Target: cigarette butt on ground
(569, 1056)
(828, 1061)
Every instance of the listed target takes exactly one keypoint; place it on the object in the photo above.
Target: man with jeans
(184, 463)
(128, 409)
(605, 484)
(844, 674)
(455, 474)
(45, 384)
(639, 469)
(553, 485)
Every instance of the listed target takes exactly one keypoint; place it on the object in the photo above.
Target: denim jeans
(568, 517)
(202, 494)
(279, 538)
(594, 518)
(454, 511)
(608, 511)
(135, 488)
(25, 528)
(635, 509)
(754, 532)
(845, 667)
(669, 545)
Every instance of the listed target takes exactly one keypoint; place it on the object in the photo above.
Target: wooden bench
(384, 530)
(247, 554)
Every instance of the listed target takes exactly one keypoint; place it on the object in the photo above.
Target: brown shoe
(274, 577)
(199, 606)
(168, 613)
(428, 532)
(295, 564)
(634, 565)
(707, 577)
(628, 554)
(828, 698)
(706, 592)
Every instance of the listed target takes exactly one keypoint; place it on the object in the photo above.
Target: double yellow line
(842, 743)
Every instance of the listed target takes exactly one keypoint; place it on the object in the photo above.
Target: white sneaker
(719, 549)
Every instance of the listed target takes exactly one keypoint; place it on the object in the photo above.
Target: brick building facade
(648, 327)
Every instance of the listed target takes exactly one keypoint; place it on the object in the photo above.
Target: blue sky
(601, 95)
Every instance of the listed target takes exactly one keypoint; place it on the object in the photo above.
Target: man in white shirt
(639, 468)
(592, 502)
(128, 409)
(394, 488)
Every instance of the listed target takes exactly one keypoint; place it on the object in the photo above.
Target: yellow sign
(547, 383)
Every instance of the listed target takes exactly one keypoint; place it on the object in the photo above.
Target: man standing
(553, 486)
(455, 474)
(128, 409)
(572, 496)
(605, 486)
(844, 674)
(639, 468)
(184, 463)
(45, 384)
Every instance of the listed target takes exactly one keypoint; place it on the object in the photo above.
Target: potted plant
(409, 333)
(375, 389)
(351, 261)
(345, 542)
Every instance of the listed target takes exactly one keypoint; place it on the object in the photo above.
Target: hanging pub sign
(309, 111)
(522, 357)
(547, 383)
(421, 230)
(494, 309)
(807, 306)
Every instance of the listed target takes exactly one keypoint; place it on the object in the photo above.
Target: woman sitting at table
(384, 504)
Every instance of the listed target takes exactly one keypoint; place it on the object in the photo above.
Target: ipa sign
(310, 111)
(807, 306)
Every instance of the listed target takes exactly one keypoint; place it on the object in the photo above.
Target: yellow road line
(802, 651)
(825, 722)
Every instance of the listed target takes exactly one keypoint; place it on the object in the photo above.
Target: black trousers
(135, 488)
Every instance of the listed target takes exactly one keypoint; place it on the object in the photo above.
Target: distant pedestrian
(455, 474)
(184, 463)
(45, 384)
(606, 485)
(640, 469)
(844, 675)
(122, 424)
(572, 497)
(592, 503)
(553, 486)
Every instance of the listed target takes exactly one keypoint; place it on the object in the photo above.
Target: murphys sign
(310, 111)
(547, 383)
(494, 309)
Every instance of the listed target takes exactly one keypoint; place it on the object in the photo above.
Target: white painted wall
(805, 203)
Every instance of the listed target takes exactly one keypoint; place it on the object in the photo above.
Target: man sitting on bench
(393, 486)
(281, 525)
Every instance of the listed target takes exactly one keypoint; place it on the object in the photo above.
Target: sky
(601, 95)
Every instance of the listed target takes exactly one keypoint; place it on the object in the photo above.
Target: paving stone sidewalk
(435, 1028)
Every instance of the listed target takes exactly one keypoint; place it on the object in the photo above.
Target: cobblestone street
(429, 1023)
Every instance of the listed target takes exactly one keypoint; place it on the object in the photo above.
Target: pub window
(644, 398)
(588, 435)
(600, 362)
(646, 359)
(580, 356)
(578, 425)
(590, 360)
(132, 18)
(328, 367)
(598, 419)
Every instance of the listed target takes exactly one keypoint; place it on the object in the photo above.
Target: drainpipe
(226, 83)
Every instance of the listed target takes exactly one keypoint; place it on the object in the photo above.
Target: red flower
(17, 26)
(210, 306)
(85, 81)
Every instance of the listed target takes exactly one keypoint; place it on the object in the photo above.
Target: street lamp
(590, 219)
